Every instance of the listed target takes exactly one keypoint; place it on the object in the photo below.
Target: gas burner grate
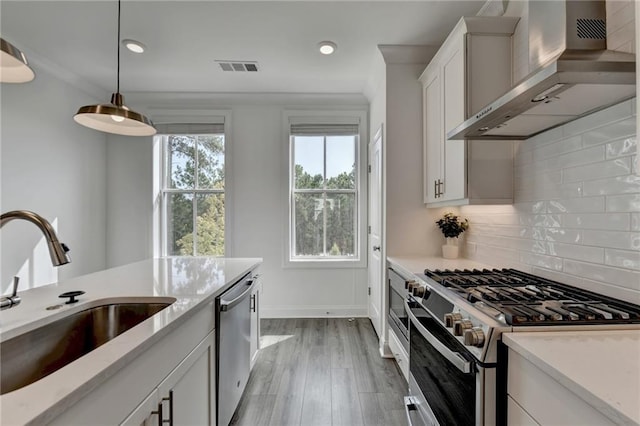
(525, 299)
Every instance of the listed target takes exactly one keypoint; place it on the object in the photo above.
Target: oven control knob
(421, 291)
(460, 326)
(474, 337)
(452, 317)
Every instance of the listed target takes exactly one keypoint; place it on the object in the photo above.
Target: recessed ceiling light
(133, 45)
(327, 47)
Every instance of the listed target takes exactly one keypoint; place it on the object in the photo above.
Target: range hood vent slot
(592, 28)
(579, 76)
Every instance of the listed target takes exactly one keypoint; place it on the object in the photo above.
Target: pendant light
(115, 117)
(14, 67)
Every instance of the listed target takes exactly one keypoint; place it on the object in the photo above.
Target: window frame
(161, 190)
(359, 260)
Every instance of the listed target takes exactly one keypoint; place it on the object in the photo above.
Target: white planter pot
(450, 250)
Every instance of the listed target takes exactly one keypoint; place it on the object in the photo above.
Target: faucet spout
(57, 250)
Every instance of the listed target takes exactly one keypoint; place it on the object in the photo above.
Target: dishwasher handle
(225, 305)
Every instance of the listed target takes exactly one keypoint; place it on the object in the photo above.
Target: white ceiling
(184, 38)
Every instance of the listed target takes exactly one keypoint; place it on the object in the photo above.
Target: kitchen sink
(33, 355)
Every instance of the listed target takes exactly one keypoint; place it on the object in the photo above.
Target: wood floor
(322, 372)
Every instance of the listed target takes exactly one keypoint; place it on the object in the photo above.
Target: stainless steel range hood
(580, 78)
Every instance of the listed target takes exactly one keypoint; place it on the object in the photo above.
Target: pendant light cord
(118, 44)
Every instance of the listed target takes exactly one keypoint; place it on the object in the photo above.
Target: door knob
(376, 248)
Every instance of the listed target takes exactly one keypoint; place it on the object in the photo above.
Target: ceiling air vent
(239, 66)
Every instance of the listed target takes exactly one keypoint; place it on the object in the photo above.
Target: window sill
(326, 264)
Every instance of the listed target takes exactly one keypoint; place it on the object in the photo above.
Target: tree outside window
(194, 194)
(324, 197)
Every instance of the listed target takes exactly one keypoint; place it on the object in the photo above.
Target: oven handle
(453, 357)
(411, 410)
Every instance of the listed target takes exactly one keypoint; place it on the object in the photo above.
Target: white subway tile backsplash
(611, 239)
(618, 130)
(560, 147)
(604, 221)
(541, 220)
(563, 235)
(576, 252)
(623, 293)
(576, 215)
(550, 136)
(629, 184)
(616, 276)
(542, 261)
(531, 180)
(623, 258)
(598, 119)
(623, 147)
(575, 205)
(584, 156)
(617, 167)
(623, 203)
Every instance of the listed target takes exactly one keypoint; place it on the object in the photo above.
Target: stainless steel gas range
(457, 362)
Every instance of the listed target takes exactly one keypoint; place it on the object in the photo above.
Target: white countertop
(601, 367)
(192, 281)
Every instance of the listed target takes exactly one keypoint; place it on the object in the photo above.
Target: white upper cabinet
(471, 69)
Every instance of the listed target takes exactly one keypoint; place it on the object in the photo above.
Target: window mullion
(324, 197)
(194, 225)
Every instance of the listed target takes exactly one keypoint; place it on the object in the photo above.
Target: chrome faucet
(57, 250)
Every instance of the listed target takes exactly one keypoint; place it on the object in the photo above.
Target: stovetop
(524, 299)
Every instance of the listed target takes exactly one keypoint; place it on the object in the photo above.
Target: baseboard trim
(313, 311)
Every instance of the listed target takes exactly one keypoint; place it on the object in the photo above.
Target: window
(324, 191)
(193, 190)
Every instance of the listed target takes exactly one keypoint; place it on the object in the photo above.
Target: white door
(375, 246)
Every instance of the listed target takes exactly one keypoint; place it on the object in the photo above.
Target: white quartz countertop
(193, 282)
(601, 367)
(417, 264)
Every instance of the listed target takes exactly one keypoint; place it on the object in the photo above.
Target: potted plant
(451, 226)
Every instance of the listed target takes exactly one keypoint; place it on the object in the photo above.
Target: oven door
(444, 375)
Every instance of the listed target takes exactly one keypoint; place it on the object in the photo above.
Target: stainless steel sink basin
(35, 354)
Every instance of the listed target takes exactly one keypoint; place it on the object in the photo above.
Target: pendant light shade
(14, 67)
(115, 117)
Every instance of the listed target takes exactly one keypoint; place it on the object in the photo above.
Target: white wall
(57, 168)
(129, 200)
(257, 159)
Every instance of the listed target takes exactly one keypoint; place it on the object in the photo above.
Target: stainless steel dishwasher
(233, 319)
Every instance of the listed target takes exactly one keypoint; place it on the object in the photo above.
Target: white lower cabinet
(536, 398)
(186, 396)
(189, 391)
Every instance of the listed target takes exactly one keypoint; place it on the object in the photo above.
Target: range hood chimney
(578, 75)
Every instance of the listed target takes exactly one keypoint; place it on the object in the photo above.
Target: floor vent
(240, 66)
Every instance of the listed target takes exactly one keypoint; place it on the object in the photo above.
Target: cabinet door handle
(435, 188)
(170, 399)
(253, 303)
(159, 413)
(439, 190)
